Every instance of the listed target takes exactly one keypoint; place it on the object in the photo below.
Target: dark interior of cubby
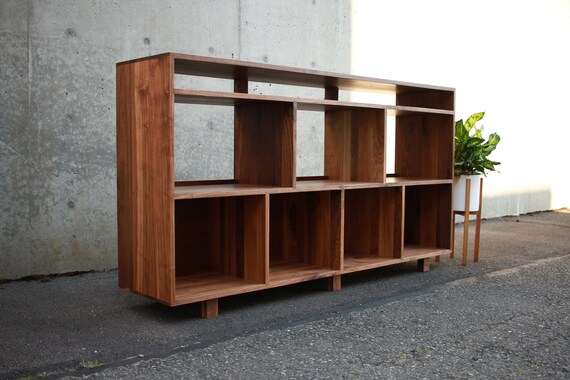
(305, 231)
(427, 216)
(423, 148)
(223, 235)
(372, 226)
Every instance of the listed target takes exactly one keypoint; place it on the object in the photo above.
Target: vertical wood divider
(267, 237)
(241, 85)
(331, 93)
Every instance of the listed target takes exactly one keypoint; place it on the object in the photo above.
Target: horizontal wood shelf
(201, 190)
(354, 262)
(261, 72)
(192, 241)
(231, 99)
(224, 190)
(207, 285)
(292, 273)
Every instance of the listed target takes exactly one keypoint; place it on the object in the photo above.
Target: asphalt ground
(507, 316)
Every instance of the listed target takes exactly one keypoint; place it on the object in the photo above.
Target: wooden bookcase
(182, 242)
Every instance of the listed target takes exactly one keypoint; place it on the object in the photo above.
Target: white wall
(508, 58)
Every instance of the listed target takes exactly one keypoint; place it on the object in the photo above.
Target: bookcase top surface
(262, 72)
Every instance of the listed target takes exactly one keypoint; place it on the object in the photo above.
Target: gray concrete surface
(504, 317)
(57, 101)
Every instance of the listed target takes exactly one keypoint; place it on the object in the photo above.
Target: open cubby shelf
(192, 241)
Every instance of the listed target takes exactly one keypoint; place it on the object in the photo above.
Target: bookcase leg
(423, 265)
(334, 283)
(209, 308)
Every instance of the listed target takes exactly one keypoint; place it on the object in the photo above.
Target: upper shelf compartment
(230, 99)
(407, 94)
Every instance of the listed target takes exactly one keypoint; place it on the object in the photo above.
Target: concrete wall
(57, 119)
(57, 136)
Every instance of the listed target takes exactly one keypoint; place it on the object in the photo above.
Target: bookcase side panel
(145, 177)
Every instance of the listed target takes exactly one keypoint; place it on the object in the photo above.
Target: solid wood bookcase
(182, 242)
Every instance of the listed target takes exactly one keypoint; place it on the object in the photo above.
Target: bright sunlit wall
(507, 58)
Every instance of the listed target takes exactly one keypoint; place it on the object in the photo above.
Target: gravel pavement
(507, 316)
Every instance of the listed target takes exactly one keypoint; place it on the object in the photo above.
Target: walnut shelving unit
(198, 241)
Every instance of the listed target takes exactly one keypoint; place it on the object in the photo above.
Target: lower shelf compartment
(203, 286)
(354, 262)
(292, 273)
(206, 285)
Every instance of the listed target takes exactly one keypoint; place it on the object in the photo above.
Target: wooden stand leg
(478, 223)
(477, 234)
(466, 222)
(334, 283)
(209, 308)
(423, 265)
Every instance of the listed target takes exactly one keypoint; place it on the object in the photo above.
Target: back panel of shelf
(305, 235)
(424, 146)
(220, 241)
(355, 145)
(265, 143)
(373, 227)
(428, 220)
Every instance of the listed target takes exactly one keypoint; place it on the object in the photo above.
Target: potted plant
(471, 159)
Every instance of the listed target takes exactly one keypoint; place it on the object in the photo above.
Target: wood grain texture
(198, 241)
(423, 265)
(306, 229)
(424, 146)
(373, 223)
(264, 152)
(262, 72)
(217, 98)
(355, 145)
(335, 283)
(146, 177)
(222, 235)
(417, 97)
(428, 216)
(209, 308)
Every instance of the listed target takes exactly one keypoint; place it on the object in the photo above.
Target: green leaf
(471, 148)
(470, 123)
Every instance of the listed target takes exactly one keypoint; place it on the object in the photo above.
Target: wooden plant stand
(184, 242)
(465, 215)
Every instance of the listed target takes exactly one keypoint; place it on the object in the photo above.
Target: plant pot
(459, 192)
